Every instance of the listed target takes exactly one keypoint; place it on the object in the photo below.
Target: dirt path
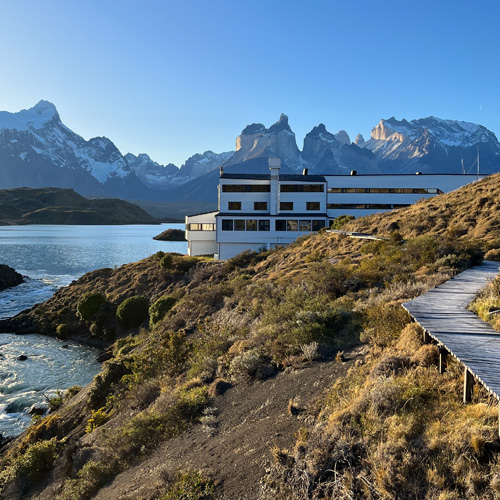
(251, 419)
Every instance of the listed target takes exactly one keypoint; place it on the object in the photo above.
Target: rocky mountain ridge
(38, 150)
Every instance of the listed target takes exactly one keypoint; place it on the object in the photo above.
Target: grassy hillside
(64, 206)
(201, 351)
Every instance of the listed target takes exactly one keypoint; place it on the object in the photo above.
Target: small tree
(132, 311)
(161, 307)
(89, 304)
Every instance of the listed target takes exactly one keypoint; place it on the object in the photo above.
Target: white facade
(361, 195)
(264, 211)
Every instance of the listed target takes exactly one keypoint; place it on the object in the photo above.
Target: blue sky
(172, 79)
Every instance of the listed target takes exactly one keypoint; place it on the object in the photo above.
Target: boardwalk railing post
(443, 353)
(468, 385)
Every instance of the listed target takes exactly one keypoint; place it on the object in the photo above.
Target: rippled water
(51, 365)
(51, 257)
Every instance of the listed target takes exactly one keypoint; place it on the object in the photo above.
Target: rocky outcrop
(9, 277)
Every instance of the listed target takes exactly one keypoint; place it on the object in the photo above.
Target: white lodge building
(264, 211)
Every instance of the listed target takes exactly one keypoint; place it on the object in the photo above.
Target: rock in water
(9, 277)
(171, 235)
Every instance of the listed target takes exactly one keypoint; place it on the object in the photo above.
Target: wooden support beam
(443, 354)
(468, 385)
(427, 337)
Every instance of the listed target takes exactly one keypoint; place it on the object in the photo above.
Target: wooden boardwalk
(474, 343)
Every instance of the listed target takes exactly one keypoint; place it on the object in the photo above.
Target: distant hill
(64, 206)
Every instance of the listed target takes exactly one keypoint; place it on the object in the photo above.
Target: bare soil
(252, 419)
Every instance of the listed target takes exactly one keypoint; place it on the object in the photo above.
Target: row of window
(265, 225)
(262, 205)
(266, 188)
(200, 227)
(386, 190)
(364, 206)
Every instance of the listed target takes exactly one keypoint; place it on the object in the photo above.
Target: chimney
(274, 167)
(221, 171)
(354, 172)
(305, 171)
(418, 173)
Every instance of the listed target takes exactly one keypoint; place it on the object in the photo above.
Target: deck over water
(441, 312)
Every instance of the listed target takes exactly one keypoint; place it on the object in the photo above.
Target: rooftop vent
(354, 172)
(305, 171)
(418, 173)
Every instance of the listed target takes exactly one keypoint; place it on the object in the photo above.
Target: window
(304, 225)
(239, 224)
(292, 225)
(234, 205)
(246, 188)
(194, 227)
(201, 227)
(260, 205)
(302, 188)
(251, 225)
(208, 227)
(286, 205)
(280, 225)
(227, 224)
(318, 224)
(312, 205)
(264, 225)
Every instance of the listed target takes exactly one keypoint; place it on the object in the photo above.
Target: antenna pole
(463, 168)
(478, 159)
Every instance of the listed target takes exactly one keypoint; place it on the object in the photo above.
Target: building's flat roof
(202, 213)
(281, 215)
(284, 177)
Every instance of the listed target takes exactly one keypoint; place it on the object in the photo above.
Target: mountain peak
(281, 124)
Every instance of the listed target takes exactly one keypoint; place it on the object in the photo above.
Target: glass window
(239, 224)
(246, 188)
(304, 225)
(292, 225)
(194, 227)
(312, 205)
(280, 225)
(286, 205)
(264, 225)
(318, 224)
(251, 225)
(208, 227)
(227, 224)
(234, 205)
(302, 188)
(260, 205)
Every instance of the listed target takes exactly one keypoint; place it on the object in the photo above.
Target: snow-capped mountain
(433, 145)
(38, 150)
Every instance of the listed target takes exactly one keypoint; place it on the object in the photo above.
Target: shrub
(161, 307)
(132, 311)
(166, 262)
(190, 486)
(98, 418)
(341, 221)
(62, 331)
(89, 304)
(251, 364)
(32, 465)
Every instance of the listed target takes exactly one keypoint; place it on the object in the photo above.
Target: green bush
(132, 311)
(89, 304)
(32, 465)
(341, 221)
(190, 486)
(161, 307)
(62, 331)
(166, 262)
